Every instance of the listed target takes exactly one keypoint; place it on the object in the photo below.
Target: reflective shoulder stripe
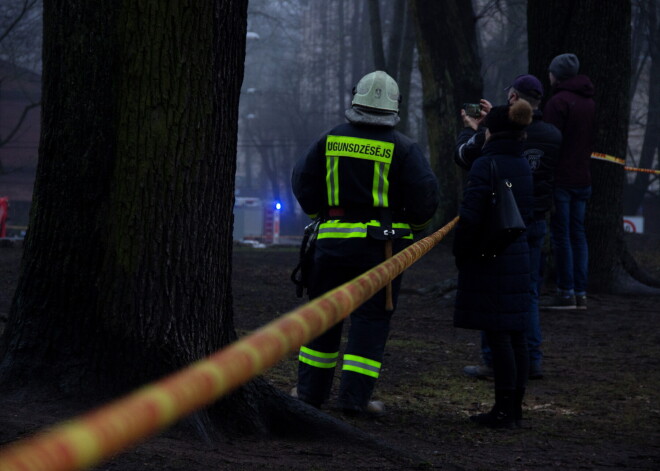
(359, 148)
(317, 359)
(381, 185)
(332, 180)
(361, 365)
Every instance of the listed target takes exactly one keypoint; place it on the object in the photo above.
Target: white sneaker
(375, 408)
(294, 392)
(479, 371)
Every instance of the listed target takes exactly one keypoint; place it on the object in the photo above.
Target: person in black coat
(493, 292)
(541, 149)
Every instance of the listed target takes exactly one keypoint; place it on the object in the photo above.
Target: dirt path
(598, 406)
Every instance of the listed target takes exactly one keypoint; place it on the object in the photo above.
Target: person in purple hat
(541, 148)
(573, 110)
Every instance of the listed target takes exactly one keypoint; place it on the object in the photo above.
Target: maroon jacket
(573, 110)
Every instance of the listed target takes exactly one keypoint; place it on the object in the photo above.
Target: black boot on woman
(501, 415)
(518, 396)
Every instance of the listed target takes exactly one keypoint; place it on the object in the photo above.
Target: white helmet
(377, 90)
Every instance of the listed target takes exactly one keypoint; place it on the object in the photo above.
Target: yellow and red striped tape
(616, 160)
(85, 441)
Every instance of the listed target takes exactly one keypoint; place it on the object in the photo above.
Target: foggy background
(302, 59)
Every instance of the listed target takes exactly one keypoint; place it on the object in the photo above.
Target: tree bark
(376, 35)
(637, 191)
(450, 68)
(395, 40)
(405, 69)
(127, 261)
(578, 26)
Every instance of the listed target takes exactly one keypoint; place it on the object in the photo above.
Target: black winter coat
(541, 148)
(493, 294)
(412, 189)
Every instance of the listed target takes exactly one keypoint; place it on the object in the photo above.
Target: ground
(598, 406)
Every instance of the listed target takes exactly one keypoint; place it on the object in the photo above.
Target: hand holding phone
(472, 109)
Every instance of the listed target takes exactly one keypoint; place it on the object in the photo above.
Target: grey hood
(360, 115)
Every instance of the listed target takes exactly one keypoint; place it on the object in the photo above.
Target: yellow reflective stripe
(342, 234)
(359, 148)
(361, 365)
(386, 185)
(317, 359)
(332, 180)
(334, 229)
(380, 185)
(319, 354)
(342, 230)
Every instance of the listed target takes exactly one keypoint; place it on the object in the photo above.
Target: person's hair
(509, 121)
(535, 102)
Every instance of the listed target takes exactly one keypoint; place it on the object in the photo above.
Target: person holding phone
(541, 149)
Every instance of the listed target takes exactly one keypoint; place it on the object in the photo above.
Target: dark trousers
(367, 335)
(510, 359)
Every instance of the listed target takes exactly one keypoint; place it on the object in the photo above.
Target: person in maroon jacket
(571, 109)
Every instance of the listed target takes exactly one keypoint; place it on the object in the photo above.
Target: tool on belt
(300, 274)
(387, 233)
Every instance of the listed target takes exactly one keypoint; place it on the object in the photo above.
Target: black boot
(501, 415)
(518, 396)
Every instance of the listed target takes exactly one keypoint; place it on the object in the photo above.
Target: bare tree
(450, 67)
(502, 34)
(649, 17)
(375, 27)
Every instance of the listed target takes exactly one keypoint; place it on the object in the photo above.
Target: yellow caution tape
(608, 158)
(89, 439)
(643, 170)
(616, 160)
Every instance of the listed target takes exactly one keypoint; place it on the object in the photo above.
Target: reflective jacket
(358, 176)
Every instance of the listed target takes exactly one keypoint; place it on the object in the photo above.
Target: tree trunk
(395, 40)
(376, 35)
(127, 262)
(405, 69)
(577, 26)
(341, 66)
(450, 68)
(637, 191)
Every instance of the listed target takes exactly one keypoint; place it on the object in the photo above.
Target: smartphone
(472, 109)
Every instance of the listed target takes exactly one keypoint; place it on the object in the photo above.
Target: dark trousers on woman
(510, 359)
(511, 370)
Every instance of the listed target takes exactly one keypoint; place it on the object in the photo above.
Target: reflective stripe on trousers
(317, 359)
(361, 365)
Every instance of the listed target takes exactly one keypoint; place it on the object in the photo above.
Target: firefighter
(371, 188)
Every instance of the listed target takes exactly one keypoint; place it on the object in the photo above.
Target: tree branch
(12, 133)
(27, 6)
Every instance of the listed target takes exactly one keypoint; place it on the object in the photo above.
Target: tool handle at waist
(389, 303)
